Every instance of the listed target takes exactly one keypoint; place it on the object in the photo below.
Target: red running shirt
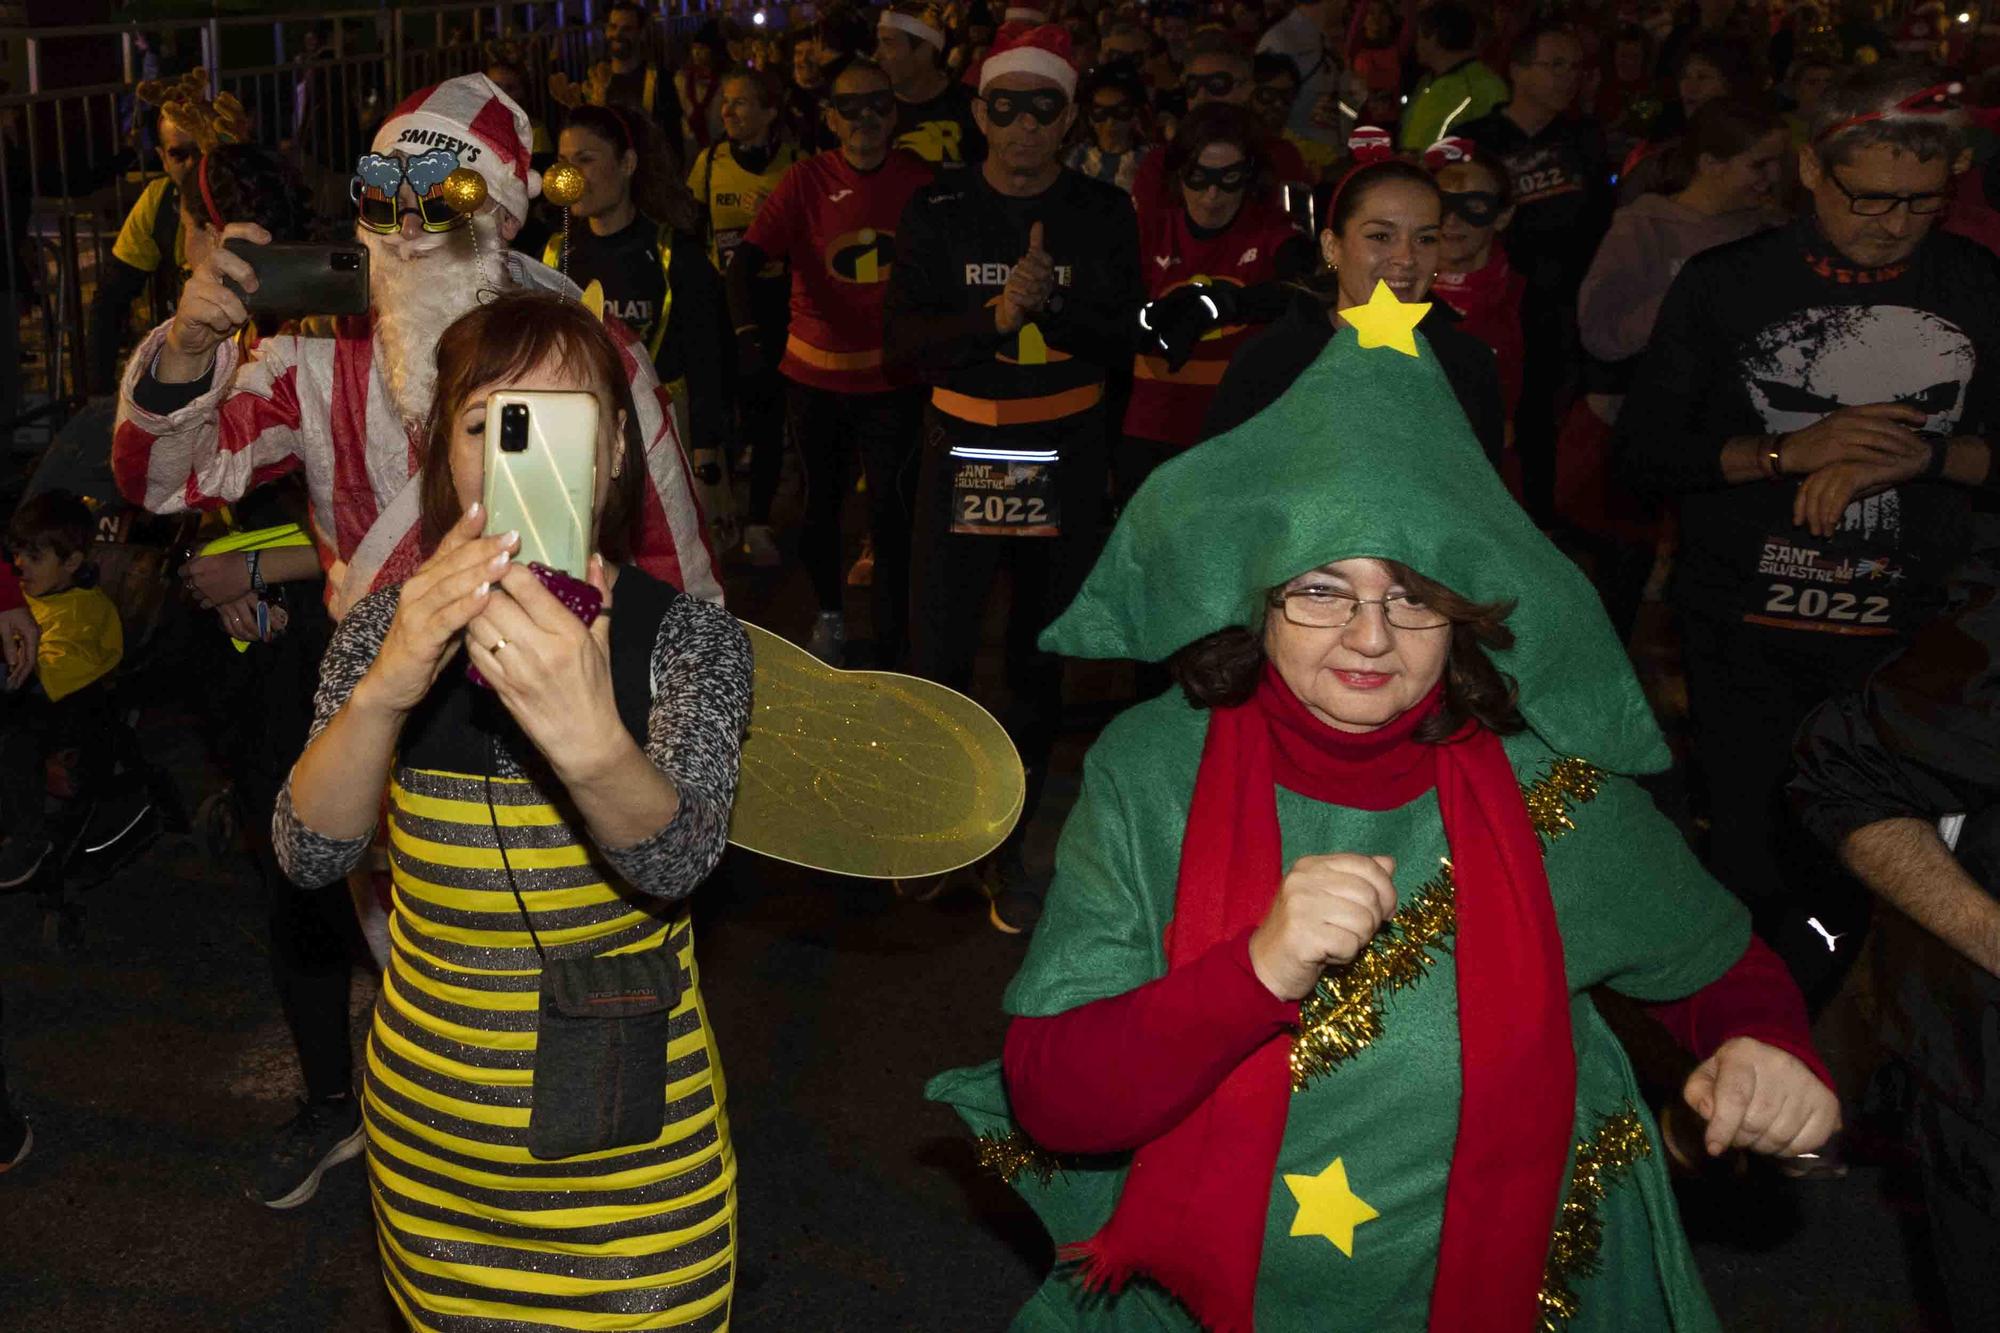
(837, 228)
(1168, 405)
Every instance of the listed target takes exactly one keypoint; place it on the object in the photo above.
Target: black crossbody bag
(600, 1078)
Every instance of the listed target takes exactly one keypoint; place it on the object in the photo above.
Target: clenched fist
(1327, 909)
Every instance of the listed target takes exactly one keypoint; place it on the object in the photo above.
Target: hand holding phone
(297, 280)
(211, 308)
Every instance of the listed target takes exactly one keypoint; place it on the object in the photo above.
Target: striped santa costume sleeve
(250, 426)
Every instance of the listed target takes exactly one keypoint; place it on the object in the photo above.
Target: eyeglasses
(1480, 208)
(1219, 84)
(1881, 205)
(1315, 607)
(879, 105)
(1230, 180)
(1119, 111)
(378, 180)
(1043, 106)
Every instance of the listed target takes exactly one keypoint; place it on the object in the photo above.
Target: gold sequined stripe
(470, 832)
(679, 1300)
(1343, 1016)
(480, 1055)
(483, 1203)
(485, 1092)
(505, 915)
(1575, 1250)
(489, 1059)
(408, 959)
(493, 1133)
(607, 1238)
(521, 957)
(425, 1321)
(492, 878)
(469, 790)
(536, 1259)
(392, 1137)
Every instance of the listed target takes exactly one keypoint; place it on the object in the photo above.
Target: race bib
(1810, 588)
(994, 498)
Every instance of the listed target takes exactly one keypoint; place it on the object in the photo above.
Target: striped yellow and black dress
(477, 1235)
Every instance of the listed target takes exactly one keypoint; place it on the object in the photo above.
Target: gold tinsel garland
(1008, 1155)
(1601, 1161)
(1343, 1015)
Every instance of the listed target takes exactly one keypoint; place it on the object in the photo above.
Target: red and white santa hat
(471, 118)
(1043, 50)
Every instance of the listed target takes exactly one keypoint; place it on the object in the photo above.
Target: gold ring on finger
(498, 644)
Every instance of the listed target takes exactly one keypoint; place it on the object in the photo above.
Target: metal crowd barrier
(317, 81)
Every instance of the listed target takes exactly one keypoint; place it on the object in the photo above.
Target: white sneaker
(829, 638)
(761, 546)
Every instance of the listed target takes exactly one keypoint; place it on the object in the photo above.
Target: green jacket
(1438, 95)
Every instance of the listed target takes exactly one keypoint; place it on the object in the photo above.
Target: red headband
(1936, 100)
(201, 179)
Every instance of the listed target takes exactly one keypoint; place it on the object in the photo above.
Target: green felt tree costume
(1368, 455)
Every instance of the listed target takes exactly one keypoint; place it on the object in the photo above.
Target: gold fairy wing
(869, 773)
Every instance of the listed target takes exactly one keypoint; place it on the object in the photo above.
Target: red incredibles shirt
(837, 228)
(1168, 405)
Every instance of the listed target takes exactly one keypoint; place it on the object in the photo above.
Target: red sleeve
(10, 587)
(1117, 1073)
(1755, 998)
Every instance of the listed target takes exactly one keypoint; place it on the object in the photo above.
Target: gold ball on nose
(562, 185)
(464, 190)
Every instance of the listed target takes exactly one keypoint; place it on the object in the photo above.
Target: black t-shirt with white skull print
(1767, 335)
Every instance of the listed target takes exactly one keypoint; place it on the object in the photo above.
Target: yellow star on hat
(1386, 322)
(1329, 1207)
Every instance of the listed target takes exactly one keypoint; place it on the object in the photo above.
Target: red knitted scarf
(1192, 1213)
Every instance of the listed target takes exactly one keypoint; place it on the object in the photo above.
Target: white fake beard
(418, 290)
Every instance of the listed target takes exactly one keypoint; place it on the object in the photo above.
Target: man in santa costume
(201, 421)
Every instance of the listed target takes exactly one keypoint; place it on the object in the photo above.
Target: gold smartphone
(541, 474)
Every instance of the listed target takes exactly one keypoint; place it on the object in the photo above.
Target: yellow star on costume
(1329, 1207)
(1387, 322)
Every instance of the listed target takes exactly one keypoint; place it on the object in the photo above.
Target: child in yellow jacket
(82, 641)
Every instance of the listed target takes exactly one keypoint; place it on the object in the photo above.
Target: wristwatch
(252, 559)
(1940, 444)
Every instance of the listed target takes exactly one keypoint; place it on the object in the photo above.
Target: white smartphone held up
(541, 474)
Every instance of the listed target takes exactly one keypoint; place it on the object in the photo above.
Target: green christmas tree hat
(1367, 454)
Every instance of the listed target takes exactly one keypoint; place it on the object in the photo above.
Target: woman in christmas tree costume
(1303, 1040)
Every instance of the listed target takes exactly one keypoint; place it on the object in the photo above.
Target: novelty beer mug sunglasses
(378, 180)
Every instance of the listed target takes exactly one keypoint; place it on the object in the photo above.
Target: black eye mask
(1479, 208)
(1043, 106)
(1230, 180)
(1220, 83)
(853, 106)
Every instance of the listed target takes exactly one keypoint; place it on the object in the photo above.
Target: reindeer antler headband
(209, 121)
